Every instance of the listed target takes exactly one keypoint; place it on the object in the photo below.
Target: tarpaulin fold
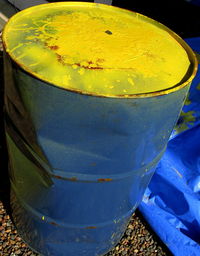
(171, 204)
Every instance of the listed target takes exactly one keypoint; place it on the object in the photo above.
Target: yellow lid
(94, 48)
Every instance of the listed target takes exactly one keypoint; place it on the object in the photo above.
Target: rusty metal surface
(50, 41)
(79, 164)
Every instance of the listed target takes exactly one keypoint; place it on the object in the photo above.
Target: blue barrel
(79, 163)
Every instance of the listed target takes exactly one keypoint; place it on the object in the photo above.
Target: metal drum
(79, 163)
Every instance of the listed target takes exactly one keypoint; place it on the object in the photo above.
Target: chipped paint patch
(53, 223)
(104, 180)
(64, 178)
(91, 227)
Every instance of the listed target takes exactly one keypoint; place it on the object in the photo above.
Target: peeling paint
(104, 180)
(53, 223)
(91, 227)
(64, 178)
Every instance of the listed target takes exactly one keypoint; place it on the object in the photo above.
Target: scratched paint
(87, 46)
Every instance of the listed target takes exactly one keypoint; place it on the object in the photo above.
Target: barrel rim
(187, 79)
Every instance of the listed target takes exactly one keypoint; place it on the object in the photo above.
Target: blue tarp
(171, 204)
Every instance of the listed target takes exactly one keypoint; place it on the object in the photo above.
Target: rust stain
(91, 227)
(53, 223)
(94, 68)
(100, 60)
(93, 164)
(53, 47)
(73, 179)
(96, 65)
(89, 64)
(60, 59)
(104, 180)
(47, 27)
(63, 178)
(58, 177)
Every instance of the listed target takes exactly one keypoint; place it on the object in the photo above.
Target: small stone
(12, 237)
(12, 242)
(4, 244)
(124, 252)
(130, 226)
(28, 253)
(128, 231)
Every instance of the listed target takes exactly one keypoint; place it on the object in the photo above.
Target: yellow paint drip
(95, 49)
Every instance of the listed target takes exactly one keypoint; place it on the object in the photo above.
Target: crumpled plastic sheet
(171, 204)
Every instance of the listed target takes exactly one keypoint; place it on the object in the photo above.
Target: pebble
(18, 252)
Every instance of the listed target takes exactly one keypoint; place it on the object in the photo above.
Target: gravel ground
(138, 240)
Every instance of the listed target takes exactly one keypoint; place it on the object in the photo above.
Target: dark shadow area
(192, 230)
(164, 191)
(4, 176)
(179, 15)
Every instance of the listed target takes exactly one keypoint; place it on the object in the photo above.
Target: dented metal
(79, 163)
